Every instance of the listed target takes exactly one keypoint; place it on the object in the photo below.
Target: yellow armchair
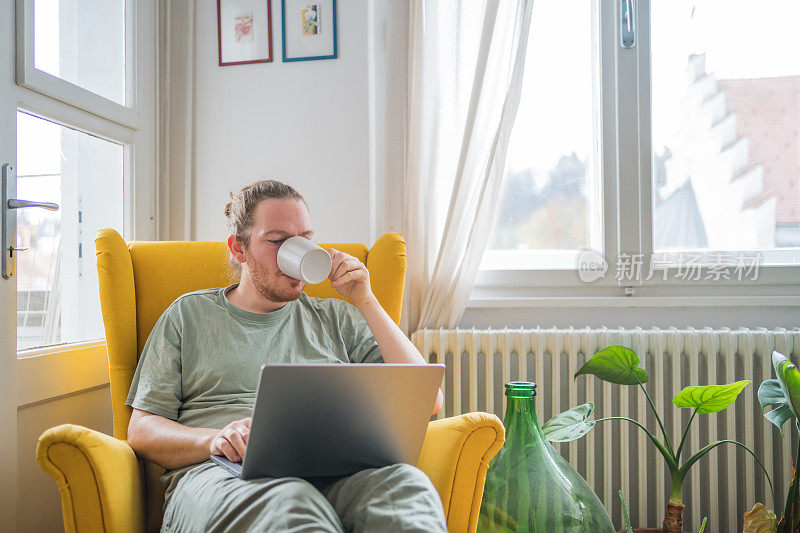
(104, 487)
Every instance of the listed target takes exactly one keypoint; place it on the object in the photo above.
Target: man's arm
(350, 278)
(393, 344)
(173, 445)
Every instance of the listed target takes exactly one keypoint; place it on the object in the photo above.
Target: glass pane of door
(726, 126)
(82, 42)
(57, 297)
(550, 206)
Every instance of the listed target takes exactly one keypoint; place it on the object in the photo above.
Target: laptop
(335, 420)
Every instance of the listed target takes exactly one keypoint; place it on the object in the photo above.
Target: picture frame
(244, 32)
(309, 30)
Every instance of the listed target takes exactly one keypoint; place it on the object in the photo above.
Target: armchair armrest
(456, 455)
(98, 476)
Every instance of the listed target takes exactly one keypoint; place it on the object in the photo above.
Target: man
(194, 388)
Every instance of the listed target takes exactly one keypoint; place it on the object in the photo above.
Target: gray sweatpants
(394, 498)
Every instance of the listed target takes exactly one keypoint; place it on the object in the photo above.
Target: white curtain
(466, 62)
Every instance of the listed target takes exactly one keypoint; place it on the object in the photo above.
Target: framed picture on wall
(309, 29)
(244, 32)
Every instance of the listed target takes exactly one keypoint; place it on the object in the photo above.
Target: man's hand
(231, 441)
(350, 278)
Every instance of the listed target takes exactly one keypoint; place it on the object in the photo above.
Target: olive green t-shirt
(201, 363)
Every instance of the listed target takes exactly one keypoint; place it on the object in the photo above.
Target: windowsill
(632, 301)
(53, 371)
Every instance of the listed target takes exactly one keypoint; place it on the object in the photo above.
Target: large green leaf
(789, 379)
(771, 393)
(783, 393)
(779, 416)
(709, 398)
(570, 425)
(617, 364)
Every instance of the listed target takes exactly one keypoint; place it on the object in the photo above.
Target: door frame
(8, 287)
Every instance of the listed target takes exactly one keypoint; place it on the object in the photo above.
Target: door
(8, 292)
(77, 86)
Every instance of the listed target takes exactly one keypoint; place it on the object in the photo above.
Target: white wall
(305, 123)
(389, 63)
(39, 503)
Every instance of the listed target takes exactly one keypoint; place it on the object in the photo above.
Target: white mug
(299, 258)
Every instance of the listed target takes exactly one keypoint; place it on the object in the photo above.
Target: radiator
(722, 485)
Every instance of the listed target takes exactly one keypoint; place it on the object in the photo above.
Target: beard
(271, 284)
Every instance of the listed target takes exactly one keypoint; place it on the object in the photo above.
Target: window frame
(627, 204)
(60, 89)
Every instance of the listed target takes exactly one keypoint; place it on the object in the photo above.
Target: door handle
(627, 26)
(8, 204)
(15, 203)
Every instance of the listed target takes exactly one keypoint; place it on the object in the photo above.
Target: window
(725, 115)
(82, 43)
(551, 201)
(84, 125)
(675, 150)
(57, 298)
(85, 54)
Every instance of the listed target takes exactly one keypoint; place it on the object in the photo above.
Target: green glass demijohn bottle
(529, 486)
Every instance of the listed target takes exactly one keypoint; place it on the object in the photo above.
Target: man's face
(275, 221)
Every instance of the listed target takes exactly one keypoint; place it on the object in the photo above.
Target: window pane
(726, 125)
(57, 296)
(82, 42)
(551, 204)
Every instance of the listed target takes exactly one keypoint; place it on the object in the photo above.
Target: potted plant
(620, 365)
(783, 394)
